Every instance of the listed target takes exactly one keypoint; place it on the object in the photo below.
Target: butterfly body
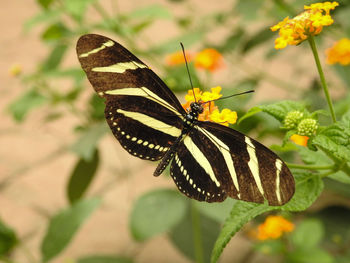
(208, 161)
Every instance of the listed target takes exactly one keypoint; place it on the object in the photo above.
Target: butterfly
(208, 161)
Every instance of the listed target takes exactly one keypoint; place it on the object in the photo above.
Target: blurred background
(58, 159)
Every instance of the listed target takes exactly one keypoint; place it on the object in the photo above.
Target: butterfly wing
(214, 162)
(142, 112)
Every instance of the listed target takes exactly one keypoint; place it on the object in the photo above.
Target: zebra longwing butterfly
(209, 161)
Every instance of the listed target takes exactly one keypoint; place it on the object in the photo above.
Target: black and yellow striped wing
(142, 112)
(209, 162)
(214, 162)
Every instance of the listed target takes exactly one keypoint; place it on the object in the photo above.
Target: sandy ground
(39, 190)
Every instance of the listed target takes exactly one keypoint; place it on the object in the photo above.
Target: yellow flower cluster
(339, 53)
(310, 22)
(274, 227)
(208, 59)
(211, 112)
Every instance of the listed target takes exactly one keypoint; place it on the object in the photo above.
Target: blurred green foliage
(195, 228)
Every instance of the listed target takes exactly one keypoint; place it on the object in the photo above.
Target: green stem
(323, 80)
(197, 235)
(310, 167)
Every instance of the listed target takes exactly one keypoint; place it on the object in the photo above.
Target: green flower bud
(292, 119)
(307, 127)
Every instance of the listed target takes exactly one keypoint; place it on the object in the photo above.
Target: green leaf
(216, 211)
(308, 187)
(8, 239)
(308, 234)
(309, 256)
(96, 108)
(155, 11)
(55, 57)
(63, 226)
(231, 41)
(86, 144)
(156, 212)
(55, 31)
(25, 103)
(46, 17)
(104, 259)
(183, 238)
(249, 9)
(280, 109)
(81, 177)
(77, 8)
(258, 38)
(250, 113)
(241, 213)
(45, 3)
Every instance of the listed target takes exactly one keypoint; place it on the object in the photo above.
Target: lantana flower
(274, 227)
(210, 111)
(209, 59)
(339, 52)
(299, 139)
(177, 58)
(310, 22)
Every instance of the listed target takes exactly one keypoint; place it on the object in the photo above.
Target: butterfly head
(196, 107)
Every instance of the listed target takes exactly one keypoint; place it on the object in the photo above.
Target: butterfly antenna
(233, 95)
(188, 71)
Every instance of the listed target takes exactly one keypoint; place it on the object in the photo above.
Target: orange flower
(310, 22)
(299, 139)
(273, 228)
(177, 58)
(209, 59)
(339, 53)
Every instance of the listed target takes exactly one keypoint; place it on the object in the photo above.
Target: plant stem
(310, 167)
(197, 235)
(323, 80)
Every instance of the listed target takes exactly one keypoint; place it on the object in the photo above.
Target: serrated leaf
(182, 235)
(308, 234)
(249, 113)
(63, 226)
(25, 103)
(81, 177)
(241, 213)
(86, 144)
(156, 212)
(104, 259)
(8, 239)
(331, 145)
(280, 109)
(308, 187)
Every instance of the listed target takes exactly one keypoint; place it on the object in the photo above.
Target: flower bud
(307, 127)
(292, 119)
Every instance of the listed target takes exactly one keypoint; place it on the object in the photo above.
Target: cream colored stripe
(109, 43)
(120, 67)
(278, 171)
(225, 150)
(151, 122)
(253, 164)
(200, 158)
(142, 92)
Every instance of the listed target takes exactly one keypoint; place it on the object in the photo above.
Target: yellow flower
(310, 22)
(225, 117)
(210, 111)
(339, 53)
(177, 58)
(15, 70)
(209, 59)
(299, 139)
(274, 227)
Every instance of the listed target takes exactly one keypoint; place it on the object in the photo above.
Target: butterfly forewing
(144, 115)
